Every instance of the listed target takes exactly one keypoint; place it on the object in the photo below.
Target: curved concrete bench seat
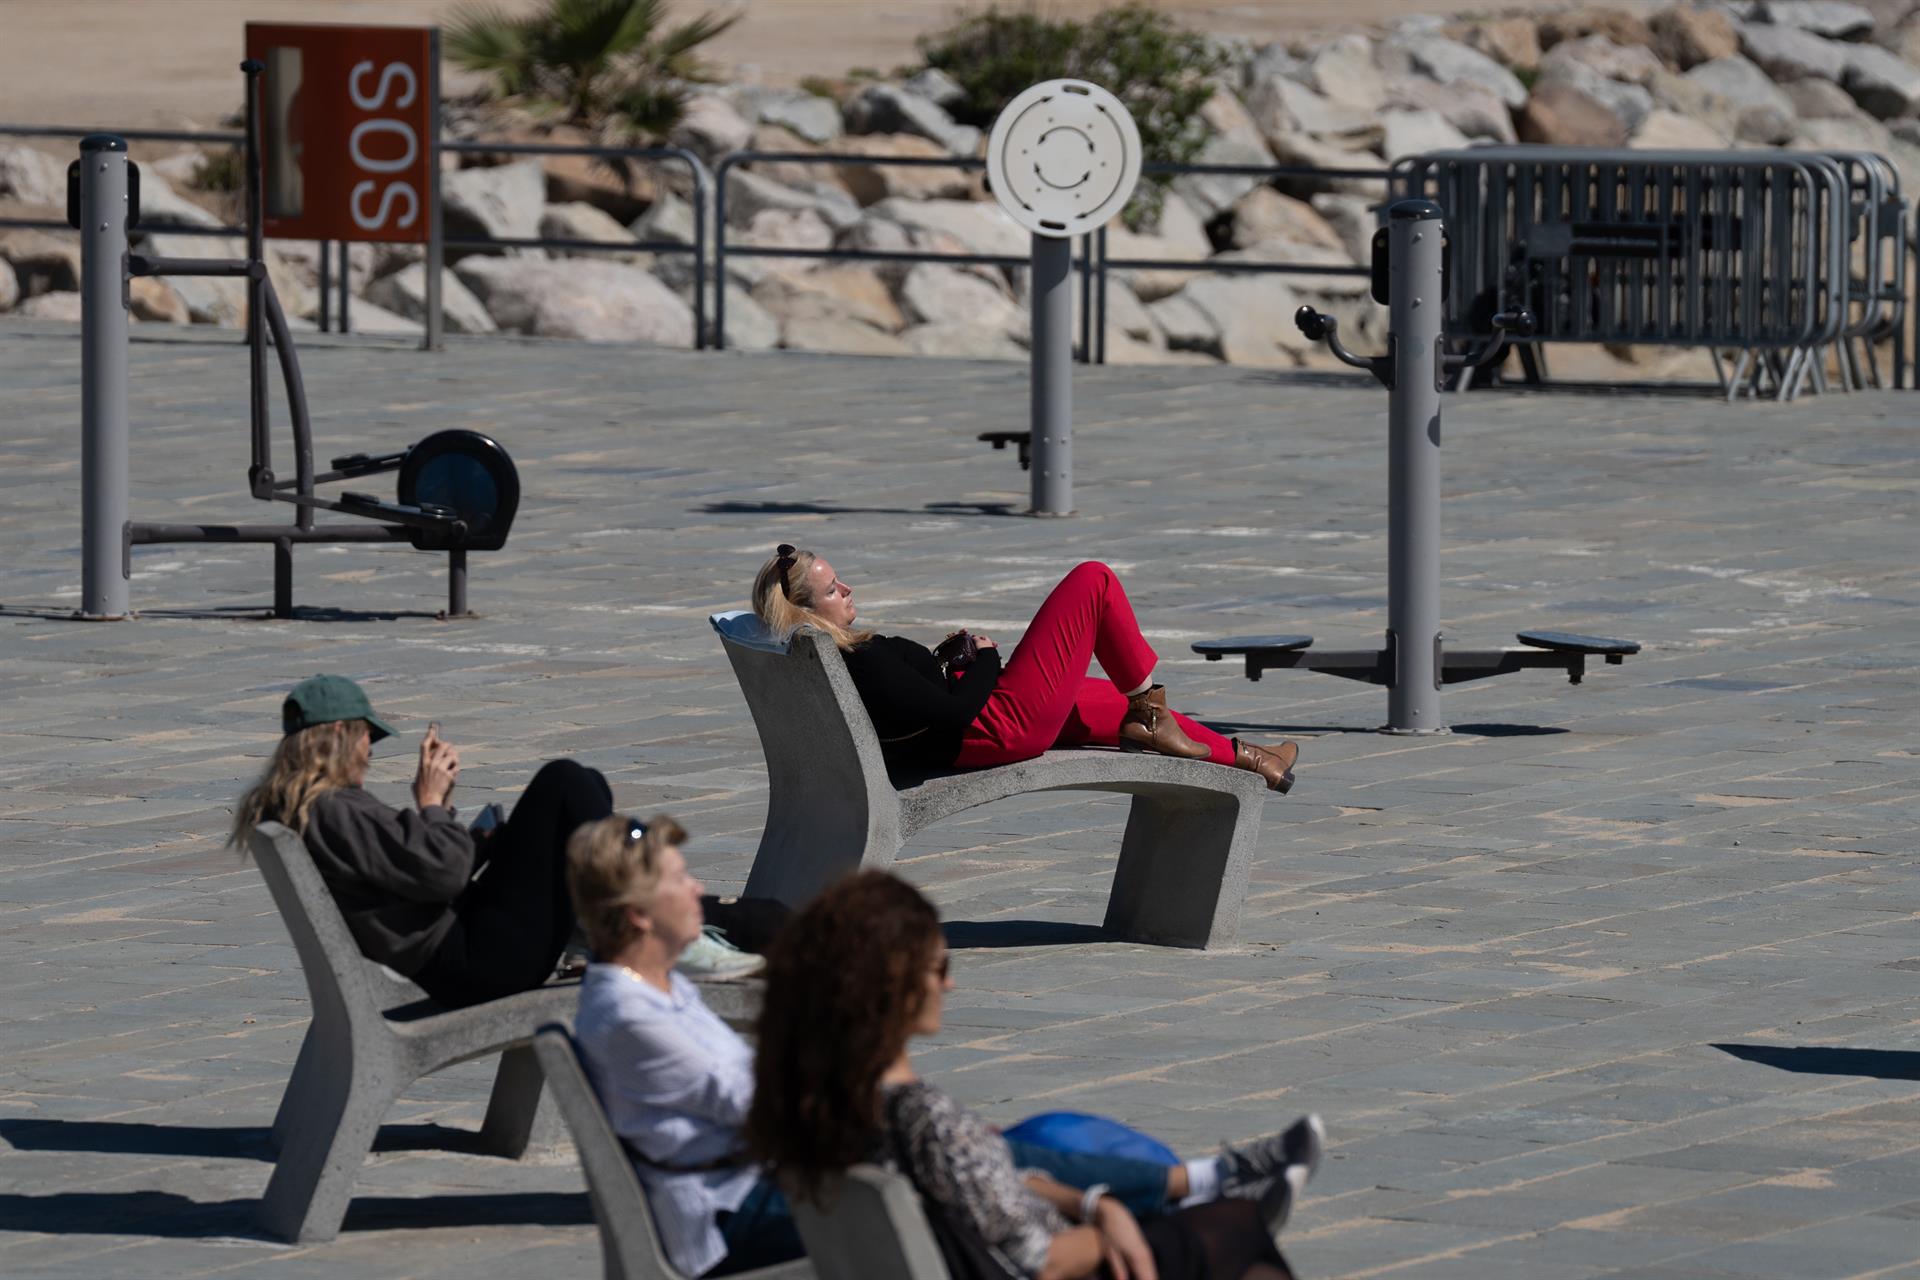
(833, 807)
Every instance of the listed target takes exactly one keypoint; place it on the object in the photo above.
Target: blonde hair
(785, 602)
(306, 765)
(606, 875)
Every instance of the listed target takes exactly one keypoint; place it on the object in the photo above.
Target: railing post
(719, 251)
(436, 246)
(103, 376)
(700, 197)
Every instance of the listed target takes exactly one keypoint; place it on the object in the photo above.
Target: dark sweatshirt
(393, 872)
(917, 714)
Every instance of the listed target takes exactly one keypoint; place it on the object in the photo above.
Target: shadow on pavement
(832, 509)
(222, 1142)
(171, 1216)
(1021, 933)
(1829, 1060)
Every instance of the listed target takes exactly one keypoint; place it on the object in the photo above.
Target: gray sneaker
(711, 956)
(1248, 1170)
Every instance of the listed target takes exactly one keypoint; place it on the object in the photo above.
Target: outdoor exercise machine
(458, 490)
(1409, 277)
(1063, 159)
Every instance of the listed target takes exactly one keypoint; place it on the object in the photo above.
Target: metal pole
(103, 376)
(436, 236)
(346, 286)
(1413, 468)
(326, 283)
(457, 584)
(1051, 291)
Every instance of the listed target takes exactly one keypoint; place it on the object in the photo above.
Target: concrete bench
(874, 1227)
(630, 1245)
(373, 1034)
(834, 807)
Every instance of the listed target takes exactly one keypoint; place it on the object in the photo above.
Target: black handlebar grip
(1518, 323)
(1311, 322)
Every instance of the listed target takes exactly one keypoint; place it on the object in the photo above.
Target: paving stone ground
(1615, 980)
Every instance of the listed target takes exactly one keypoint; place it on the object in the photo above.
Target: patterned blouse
(963, 1163)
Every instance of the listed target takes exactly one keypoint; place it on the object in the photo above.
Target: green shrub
(219, 171)
(1159, 69)
(594, 62)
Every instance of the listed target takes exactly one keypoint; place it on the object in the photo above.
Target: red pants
(1045, 697)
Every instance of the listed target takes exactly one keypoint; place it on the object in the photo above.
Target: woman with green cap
(409, 881)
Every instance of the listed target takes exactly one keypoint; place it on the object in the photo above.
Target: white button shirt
(676, 1082)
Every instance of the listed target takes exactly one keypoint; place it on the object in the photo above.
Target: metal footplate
(1001, 439)
(1554, 650)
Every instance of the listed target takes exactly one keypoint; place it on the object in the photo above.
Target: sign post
(350, 137)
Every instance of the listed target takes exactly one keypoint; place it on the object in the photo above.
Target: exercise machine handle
(1507, 326)
(1318, 326)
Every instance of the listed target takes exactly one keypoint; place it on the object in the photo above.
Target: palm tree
(589, 59)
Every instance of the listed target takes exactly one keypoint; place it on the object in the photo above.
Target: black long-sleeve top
(917, 714)
(393, 872)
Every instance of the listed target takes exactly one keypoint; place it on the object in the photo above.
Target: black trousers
(513, 920)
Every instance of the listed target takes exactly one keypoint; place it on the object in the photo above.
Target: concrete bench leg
(326, 1143)
(1183, 868)
(514, 1111)
(291, 1100)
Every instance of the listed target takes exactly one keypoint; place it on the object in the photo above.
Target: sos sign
(348, 120)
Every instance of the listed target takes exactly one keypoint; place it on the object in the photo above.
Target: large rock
(1185, 326)
(1449, 61)
(1128, 317)
(1628, 63)
(750, 326)
(404, 293)
(1617, 25)
(33, 177)
(1742, 84)
(1298, 254)
(934, 293)
(1272, 62)
(981, 226)
(1212, 194)
(886, 108)
(937, 87)
(748, 194)
(154, 301)
(1628, 101)
(1511, 42)
(1228, 117)
(1412, 133)
(1822, 100)
(1177, 236)
(9, 286)
(1665, 130)
(51, 306)
(960, 341)
(1266, 214)
(1354, 218)
(587, 224)
(1252, 317)
(845, 291)
(813, 117)
(841, 335)
(623, 189)
(1471, 108)
(805, 175)
(669, 219)
(871, 184)
(1286, 109)
(1344, 72)
(370, 317)
(1687, 37)
(41, 262)
(577, 298)
(1881, 83)
(501, 203)
(1903, 41)
(161, 208)
(1299, 149)
(1560, 115)
(882, 235)
(1832, 18)
(1788, 53)
(710, 127)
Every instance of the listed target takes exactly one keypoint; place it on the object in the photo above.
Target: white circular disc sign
(1063, 158)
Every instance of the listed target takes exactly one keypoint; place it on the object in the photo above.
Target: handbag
(956, 653)
(1076, 1133)
(967, 1256)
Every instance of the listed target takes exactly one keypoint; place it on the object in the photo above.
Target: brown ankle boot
(1275, 764)
(1149, 726)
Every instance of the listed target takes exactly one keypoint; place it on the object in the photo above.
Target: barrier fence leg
(1052, 354)
(283, 578)
(456, 584)
(1413, 470)
(103, 376)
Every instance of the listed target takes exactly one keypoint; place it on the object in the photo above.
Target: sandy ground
(160, 63)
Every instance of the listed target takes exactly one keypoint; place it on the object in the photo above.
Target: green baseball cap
(325, 699)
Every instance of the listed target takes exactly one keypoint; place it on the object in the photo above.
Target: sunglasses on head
(784, 559)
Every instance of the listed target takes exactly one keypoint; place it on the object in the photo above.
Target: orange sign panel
(347, 126)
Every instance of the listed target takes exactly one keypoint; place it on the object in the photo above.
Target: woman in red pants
(934, 715)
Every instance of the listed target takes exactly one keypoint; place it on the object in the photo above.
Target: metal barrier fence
(1846, 284)
(1753, 251)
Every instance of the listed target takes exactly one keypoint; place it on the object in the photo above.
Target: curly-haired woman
(852, 979)
(930, 715)
(405, 879)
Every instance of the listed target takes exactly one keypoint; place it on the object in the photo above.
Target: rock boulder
(934, 293)
(1627, 63)
(960, 341)
(1511, 42)
(404, 293)
(1687, 37)
(1881, 83)
(886, 108)
(1834, 19)
(576, 298)
(710, 127)
(1449, 61)
(871, 184)
(1560, 115)
(500, 203)
(33, 177)
(1788, 53)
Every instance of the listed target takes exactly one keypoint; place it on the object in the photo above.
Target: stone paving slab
(1616, 980)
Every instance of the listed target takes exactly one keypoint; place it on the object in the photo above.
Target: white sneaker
(712, 956)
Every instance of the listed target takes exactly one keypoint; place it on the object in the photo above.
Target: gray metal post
(1413, 468)
(1051, 292)
(103, 376)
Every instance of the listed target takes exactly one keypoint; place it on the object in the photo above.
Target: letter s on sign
(374, 101)
(379, 219)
